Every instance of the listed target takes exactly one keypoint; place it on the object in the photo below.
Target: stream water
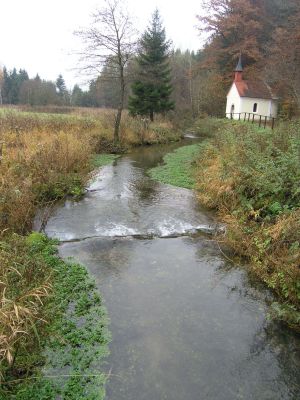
(186, 324)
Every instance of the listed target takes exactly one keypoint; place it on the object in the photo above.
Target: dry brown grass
(34, 160)
(25, 281)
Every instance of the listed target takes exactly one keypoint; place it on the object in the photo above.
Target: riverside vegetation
(46, 157)
(251, 177)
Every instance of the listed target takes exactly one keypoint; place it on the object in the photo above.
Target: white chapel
(250, 98)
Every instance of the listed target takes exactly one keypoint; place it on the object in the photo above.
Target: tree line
(17, 88)
(157, 78)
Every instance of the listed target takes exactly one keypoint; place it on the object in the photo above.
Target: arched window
(255, 107)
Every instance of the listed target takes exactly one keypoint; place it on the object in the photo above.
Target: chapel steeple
(238, 77)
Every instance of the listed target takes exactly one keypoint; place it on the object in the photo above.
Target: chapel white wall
(245, 105)
(233, 97)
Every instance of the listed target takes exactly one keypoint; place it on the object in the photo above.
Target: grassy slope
(178, 167)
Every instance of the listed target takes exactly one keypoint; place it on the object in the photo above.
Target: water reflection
(178, 327)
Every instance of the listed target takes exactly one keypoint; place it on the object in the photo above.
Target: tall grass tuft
(25, 283)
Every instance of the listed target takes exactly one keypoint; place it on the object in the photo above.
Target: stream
(186, 324)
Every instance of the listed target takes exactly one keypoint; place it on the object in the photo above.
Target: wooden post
(273, 123)
(265, 122)
(245, 117)
(249, 117)
(253, 118)
(260, 121)
(239, 116)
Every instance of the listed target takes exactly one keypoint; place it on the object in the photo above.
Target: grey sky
(38, 35)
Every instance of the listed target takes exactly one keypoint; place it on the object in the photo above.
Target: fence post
(248, 117)
(265, 122)
(253, 118)
(273, 123)
(260, 121)
(245, 117)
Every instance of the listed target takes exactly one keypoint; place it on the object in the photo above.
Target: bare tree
(111, 38)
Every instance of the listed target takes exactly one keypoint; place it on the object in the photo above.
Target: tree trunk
(121, 103)
(117, 125)
(151, 115)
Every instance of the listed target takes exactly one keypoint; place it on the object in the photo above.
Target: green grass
(47, 117)
(99, 160)
(178, 167)
(75, 342)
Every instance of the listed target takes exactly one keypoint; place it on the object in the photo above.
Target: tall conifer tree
(152, 89)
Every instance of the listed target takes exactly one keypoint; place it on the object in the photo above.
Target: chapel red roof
(254, 89)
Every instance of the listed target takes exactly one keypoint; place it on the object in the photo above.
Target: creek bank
(74, 337)
(250, 176)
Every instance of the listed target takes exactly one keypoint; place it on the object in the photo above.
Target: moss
(99, 160)
(178, 168)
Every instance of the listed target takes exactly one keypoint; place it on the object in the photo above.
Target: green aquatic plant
(178, 167)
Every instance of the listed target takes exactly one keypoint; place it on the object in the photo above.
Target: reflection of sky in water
(185, 324)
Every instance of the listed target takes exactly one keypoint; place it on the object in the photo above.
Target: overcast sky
(38, 34)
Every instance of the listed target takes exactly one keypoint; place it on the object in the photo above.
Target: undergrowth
(252, 177)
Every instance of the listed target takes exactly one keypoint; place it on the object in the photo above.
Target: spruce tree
(152, 89)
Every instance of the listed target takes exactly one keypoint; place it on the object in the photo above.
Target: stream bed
(186, 324)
